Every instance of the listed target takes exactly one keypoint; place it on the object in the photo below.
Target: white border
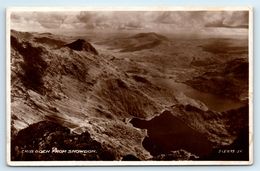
(125, 163)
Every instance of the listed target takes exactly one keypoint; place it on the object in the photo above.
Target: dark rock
(80, 45)
(46, 135)
(176, 155)
(130, 157)
(34, 66)
(141, 79)
(237, 124)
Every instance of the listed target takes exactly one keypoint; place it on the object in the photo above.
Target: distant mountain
(137, 42)
(150, 36)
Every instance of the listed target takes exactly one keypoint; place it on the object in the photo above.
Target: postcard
(129, 86)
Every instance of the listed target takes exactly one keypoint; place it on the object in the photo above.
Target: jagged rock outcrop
(82, 44)
(47, 140)
(33, 64)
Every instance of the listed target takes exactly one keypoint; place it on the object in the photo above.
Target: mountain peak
(80, 45)
(150, 35)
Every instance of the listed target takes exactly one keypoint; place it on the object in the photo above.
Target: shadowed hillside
(80, 45)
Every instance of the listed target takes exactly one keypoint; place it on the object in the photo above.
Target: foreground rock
(176, 155)
(46, 140)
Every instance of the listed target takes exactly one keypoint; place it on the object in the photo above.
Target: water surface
(213, 102)
(168, 133)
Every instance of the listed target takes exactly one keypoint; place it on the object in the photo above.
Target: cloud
(86, 16)
(233, 19)
(48, 20)
(198, 19)
(111, 20)
(161, 21)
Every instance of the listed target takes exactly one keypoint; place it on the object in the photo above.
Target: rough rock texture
(75, 89)
(46, 140)
(74, 96)
(176, 155)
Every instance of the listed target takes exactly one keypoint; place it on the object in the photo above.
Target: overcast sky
(208, 22)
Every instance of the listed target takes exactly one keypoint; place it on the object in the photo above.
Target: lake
(168, 133)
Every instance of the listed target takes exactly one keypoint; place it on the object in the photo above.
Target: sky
(192, 22)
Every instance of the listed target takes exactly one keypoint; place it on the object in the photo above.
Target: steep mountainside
(72, 96)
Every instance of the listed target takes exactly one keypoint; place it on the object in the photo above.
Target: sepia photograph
(129, 86)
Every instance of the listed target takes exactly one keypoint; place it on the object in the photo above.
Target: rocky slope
(45, 138)
(69, 95)
(79, 90)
